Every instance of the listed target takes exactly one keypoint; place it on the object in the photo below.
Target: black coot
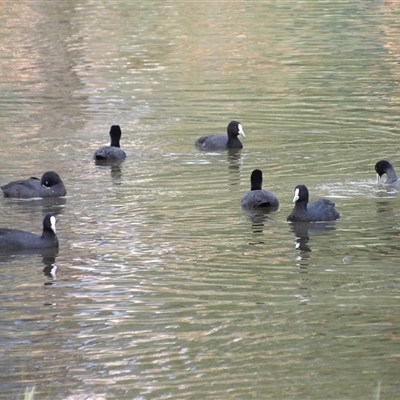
(222, 142)
(113, 152)
(14, 239)
(257, 197)
(319, 210)
(384, 167)
(50, 185)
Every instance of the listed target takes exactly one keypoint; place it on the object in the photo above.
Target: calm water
(164, 287)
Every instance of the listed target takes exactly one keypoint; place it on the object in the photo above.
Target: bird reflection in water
(258, 218)
(302, 232)
(48, 259)
(55, 205)
(116, 173)
(50, 267)
(235, 162)
(115, 170)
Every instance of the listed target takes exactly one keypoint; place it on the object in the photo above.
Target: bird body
(319, 210)
(384, 167)
(15, 239)
(223, 142)
(113, 152)
(50, 185)
(257, 197)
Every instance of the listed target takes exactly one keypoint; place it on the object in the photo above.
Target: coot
(319, 210)
(113, 152)
(14, 239)
(257, 197)
(222, 142)
(384, 167)
(50, 185)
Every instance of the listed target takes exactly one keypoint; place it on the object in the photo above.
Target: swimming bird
(222, 142)
(50, 185)
(319, 210)
(257, 197)
(15, 239)
(113, 152)
(384, 167)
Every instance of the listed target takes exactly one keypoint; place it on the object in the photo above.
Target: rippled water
(164, 287)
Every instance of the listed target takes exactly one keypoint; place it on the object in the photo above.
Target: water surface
(164, 287)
